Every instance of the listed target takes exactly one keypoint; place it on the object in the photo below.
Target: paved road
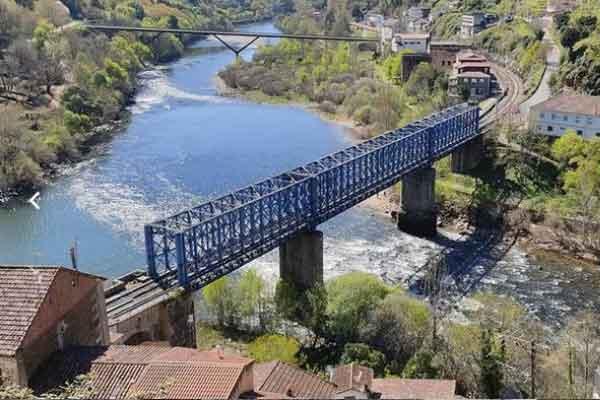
(552, 63)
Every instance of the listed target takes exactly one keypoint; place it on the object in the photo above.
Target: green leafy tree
(351, 297)
(491, 368)
(398, 327)
(364, 355)
(421, 366)
(220, 302)
(274, 347)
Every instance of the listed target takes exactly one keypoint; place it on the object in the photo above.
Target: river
(186, 144)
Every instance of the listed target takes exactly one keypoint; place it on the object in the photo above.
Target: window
(550, 129)
(597, 134)
(541, 115)
(565, 118)
(579, 132)
(553, 116)
(589, 120)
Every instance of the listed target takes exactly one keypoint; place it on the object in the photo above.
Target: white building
(417, 42)
(471, 24)
(555, 116)
(375, 20)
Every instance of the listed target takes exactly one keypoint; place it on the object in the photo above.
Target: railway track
(509, 104)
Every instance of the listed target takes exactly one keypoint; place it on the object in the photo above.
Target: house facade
(472, 24)
(417, 42)
(562, 113)
(472, 72)
(44, 310)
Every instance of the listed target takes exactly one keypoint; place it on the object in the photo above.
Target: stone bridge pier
(301, 259)
(467, 156)
(418, 212)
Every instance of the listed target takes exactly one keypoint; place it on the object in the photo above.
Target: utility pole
(532, 369)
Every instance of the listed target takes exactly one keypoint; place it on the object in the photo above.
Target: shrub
(274, 347)
(364, 115)
(327, 107)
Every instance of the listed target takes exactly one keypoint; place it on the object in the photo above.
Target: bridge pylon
(466, 157)
(301, 259)
(418, 211)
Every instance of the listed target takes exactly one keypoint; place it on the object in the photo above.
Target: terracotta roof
(122, 371)
(469, 55)
(23, 289)
(587, 105)
(352, 376)
(425, 389)
(472, 74)
(188, 380)
(22, 292)
(278, 379)
(477, 64)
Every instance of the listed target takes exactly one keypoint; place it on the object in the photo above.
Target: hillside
(63, 88)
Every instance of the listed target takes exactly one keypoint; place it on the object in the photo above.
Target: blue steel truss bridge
(199, 245)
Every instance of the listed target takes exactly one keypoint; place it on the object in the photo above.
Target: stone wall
(73, 313)
(12, 371)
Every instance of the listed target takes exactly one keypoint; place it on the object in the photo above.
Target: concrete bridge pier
(301, 259)
(418, 213)
(467, 156)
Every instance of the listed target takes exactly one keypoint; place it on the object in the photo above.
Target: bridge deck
(215, 238)
(116, 28)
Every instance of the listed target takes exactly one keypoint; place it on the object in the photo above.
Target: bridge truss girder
(206, 242)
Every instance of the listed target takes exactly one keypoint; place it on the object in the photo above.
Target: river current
(186, 144)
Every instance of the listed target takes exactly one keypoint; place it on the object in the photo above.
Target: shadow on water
(462, 264)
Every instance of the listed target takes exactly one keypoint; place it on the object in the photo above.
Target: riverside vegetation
(62, 87)
(356, 317)
(342, 80)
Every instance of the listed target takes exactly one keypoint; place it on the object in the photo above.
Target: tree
(351, 297)
(253, 298)
(274, 347)
(421, 366)
(421, 81)
(398, 328)
(491, 369)
(364, 355)
(220, 302)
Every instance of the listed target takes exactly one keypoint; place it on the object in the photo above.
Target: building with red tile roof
(122, 372)
(42, 310)
(567, 112)
(358, 382)
(424, 389)
(277, 379)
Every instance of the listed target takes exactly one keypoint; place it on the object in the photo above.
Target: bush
(364, 115)
(76, 123)
(351, 297)
(274, 347)
(364, 355)
(327, 107)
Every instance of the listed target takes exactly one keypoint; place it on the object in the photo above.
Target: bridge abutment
(467, 156)
(418, 213)
(301, 259)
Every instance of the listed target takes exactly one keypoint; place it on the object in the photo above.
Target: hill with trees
(62, 87)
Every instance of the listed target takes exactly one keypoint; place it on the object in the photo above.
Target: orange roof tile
(424, 389)
(278, 378)
(576, 104)
(188, 381)
(352, 376)
(22, 292)
(122, 371)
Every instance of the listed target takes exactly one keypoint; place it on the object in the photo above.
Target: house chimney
(220, 352)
